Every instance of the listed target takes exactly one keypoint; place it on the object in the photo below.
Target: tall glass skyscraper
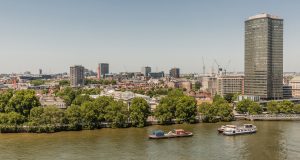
(264, 56)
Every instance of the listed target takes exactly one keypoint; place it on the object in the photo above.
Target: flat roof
(263, 15)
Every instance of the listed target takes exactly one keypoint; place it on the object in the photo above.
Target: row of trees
(22, 108)
(285, 107)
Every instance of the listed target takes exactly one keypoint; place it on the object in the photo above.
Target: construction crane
(203, 66)
(226, 67)
(219, 67)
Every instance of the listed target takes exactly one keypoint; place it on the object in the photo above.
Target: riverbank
(59, 128)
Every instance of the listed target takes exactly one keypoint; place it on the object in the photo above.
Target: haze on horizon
(54, 34)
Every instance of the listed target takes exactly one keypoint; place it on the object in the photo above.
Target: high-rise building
(145, 71)
(40, 71)
(175, 73)
(264, 56)
(77, 76)
(103, 69)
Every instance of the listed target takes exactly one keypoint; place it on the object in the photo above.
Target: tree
(64, 83)
(73, 115)
(36, 116)
(53, 116)
(163, 113)
(68, 95)
(89, 114)
(81, 99)
(117, 114)
(139, 112)
(186, 109)
(11, 118)
(209, 112)
(229, 97)
(22, 102)
(273, 107)
(248, 106)
(286, 107)
(297, 108)
(4, 99)
(37, 82)
(224, 112)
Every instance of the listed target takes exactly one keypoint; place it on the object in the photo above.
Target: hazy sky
(128, 34)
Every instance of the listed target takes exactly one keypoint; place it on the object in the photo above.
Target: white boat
(245, 129)
(222, 128)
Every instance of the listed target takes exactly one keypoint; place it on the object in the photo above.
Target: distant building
(175, 73)
(146, 70)
(295, 83)
(103, 69)
(47, 101)
(40, 71)
(287, 92)
(77, 76)
(156, 75)
(230, 85)
(186, 85)
(209, 84)
(264, 56)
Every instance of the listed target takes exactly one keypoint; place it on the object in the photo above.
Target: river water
(274, 140)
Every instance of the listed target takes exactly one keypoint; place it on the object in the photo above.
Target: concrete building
(186, 85)
(103, 69)
(209, 84)
(230, 85)
(175, 72)
(157, 75)
(264, 56)
(47, 101)
(146, 70)
(295, 83)
(77, 76)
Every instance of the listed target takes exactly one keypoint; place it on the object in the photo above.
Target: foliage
(80, 99)
(248, 106)
(22, 102)
(186, 109)
(139, 112)
(37, 82)
(73, 116)
(101, 81)
(117, 114)
(286, 107)
(11, 118)
(4, 99)
(229, 97)
(219, 110)
(176, 105)
(273, 107)
(64, 83)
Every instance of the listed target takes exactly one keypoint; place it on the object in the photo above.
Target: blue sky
(128, 34)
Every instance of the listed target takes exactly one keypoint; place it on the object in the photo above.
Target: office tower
(175, 73)
(264, 56)
(40, 71)
(77, 76)
(103, 69)
(146, 70)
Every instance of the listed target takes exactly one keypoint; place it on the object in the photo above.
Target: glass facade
(264, 57)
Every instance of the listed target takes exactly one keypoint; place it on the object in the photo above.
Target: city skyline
(54, 35)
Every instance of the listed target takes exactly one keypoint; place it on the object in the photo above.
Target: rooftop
(263, 15)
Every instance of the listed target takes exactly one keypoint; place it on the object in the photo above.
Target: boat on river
(245, 129)
(176, 133)
(222, 128)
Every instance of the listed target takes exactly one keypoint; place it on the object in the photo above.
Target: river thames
(274, 140)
